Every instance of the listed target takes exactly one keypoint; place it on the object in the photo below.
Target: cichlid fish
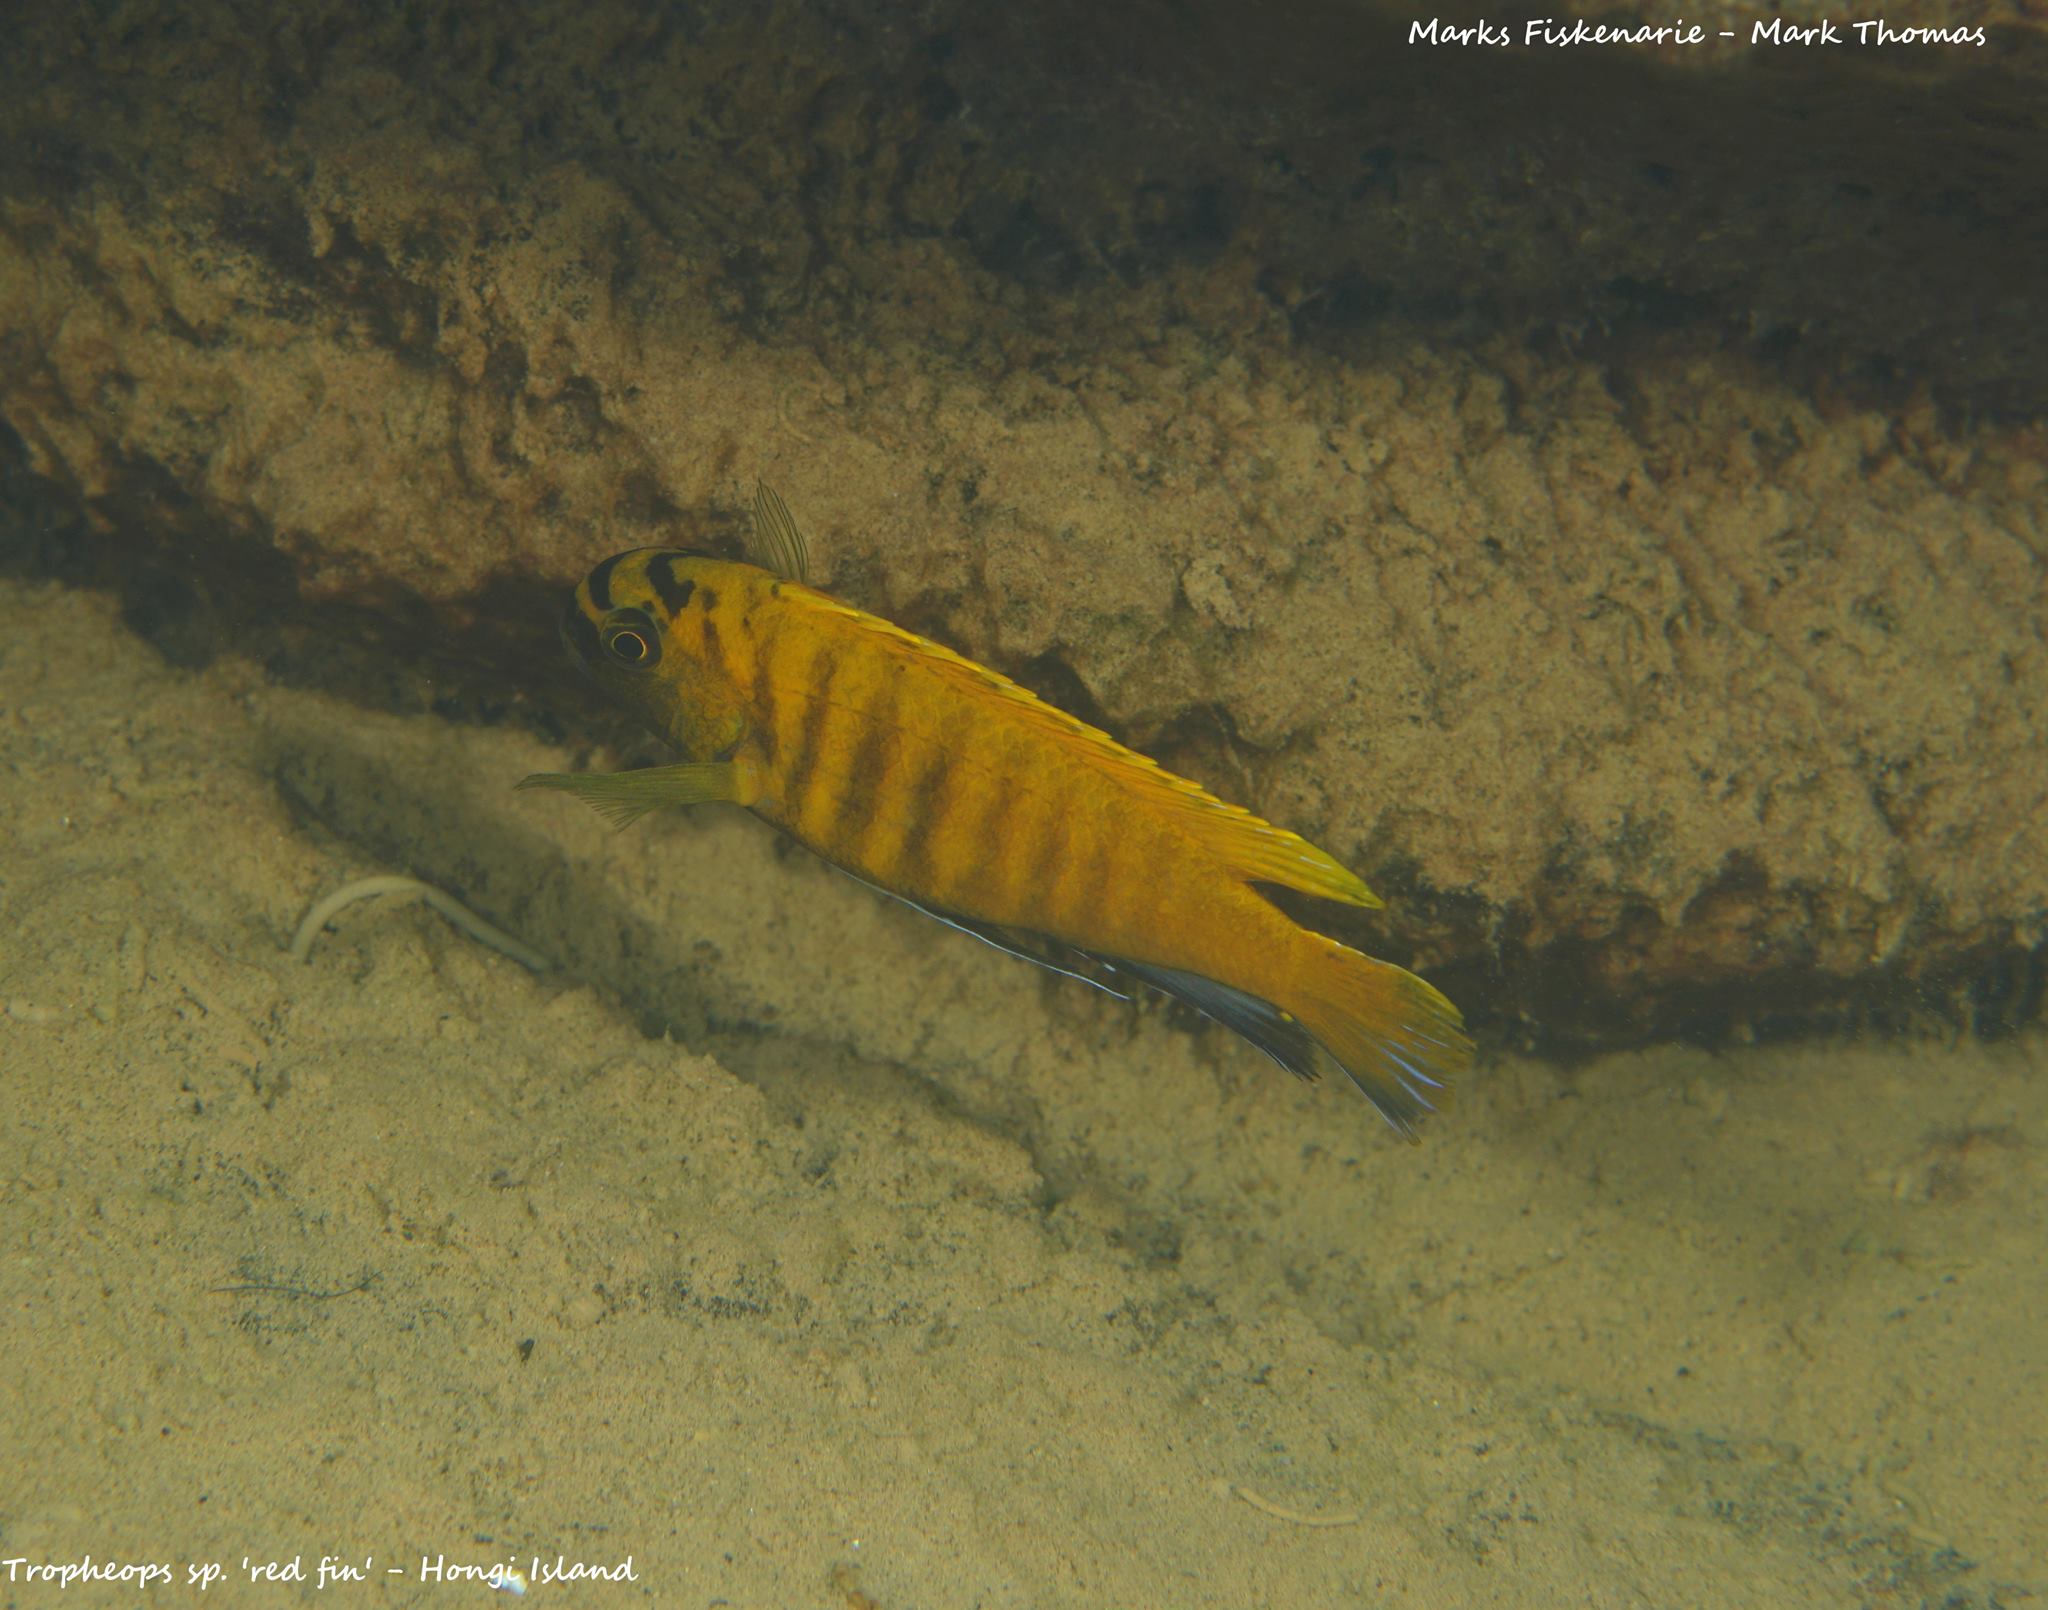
(948, 786)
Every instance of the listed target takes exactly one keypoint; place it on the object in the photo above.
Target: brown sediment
(784, 1218)
(1595, 493)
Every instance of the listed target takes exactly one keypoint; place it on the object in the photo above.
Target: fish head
(641, 625)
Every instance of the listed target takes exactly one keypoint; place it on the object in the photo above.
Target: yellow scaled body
(946, 784)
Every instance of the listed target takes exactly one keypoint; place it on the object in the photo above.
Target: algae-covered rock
(1599, 495)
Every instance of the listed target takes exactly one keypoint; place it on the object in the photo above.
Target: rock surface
(1602, 500)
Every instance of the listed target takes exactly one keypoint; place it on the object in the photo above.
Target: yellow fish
(947, 785)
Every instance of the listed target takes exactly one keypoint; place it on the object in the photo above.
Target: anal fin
(1279, 1034)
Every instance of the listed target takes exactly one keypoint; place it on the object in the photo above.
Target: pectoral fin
(623, 797)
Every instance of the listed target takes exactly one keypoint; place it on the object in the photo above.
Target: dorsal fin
(1249, 845)
(778, 543)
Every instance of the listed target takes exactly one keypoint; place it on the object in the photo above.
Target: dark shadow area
(1871, 225)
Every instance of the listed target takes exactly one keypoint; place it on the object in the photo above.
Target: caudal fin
(1397, 1037)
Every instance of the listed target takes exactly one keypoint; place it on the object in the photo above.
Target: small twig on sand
(1266, 1506)
(454, 910)
(279, 1289)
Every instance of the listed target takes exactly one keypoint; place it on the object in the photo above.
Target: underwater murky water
(1600, 495)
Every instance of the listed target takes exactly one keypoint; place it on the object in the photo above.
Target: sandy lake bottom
(810, 1254)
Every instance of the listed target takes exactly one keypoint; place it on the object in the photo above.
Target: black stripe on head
(673, 592)
(600, 583)
(579, 635)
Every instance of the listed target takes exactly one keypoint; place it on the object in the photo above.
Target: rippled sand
(894, 1274)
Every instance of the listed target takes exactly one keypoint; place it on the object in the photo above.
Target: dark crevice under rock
(1067, 217)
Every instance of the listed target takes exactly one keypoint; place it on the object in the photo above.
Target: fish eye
(629, 639)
